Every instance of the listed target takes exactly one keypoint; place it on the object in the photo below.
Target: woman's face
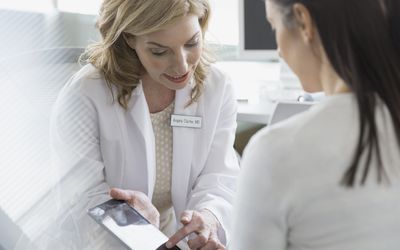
(171, 55)
(294, 49)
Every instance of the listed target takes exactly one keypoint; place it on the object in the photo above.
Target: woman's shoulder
(283, 134)
(306, 133)
(88, 80)
(217, 84)
(216, 78)
(277, 151)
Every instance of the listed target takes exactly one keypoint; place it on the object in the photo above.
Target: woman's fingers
(213, 243)
(134, 198)
(118, 194)
(200, 240)
(186, 216)
(189, 228)
(204, 225)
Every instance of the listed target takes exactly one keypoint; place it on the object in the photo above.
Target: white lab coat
(106, 146)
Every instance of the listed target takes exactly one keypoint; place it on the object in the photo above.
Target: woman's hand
(204, 224)
(140, 202)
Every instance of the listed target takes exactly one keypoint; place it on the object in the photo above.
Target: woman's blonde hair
(117, 61)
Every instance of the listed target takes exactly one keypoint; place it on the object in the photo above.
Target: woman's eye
(190, 45)
(158, 52)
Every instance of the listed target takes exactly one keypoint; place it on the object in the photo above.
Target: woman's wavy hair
(118, 62)
(362, 42)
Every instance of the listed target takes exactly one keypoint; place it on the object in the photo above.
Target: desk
(258, 86)
(255, 112)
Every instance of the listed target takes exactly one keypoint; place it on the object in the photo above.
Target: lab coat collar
(182, 148)
(140, 114)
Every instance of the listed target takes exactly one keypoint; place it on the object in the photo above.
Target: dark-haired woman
(329, 178)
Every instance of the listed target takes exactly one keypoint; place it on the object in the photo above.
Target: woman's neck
(332, 84)
(335, 86)
(158, 97)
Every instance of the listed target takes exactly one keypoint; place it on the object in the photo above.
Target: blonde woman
(152, 121)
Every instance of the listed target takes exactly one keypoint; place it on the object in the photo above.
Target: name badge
(186, 121)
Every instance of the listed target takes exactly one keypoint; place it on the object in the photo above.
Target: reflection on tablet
(128, 226)
(143, 236)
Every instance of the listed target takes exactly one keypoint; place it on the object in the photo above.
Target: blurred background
(32, 25)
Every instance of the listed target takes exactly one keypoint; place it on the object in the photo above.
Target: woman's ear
(129, 39)
(305, 22)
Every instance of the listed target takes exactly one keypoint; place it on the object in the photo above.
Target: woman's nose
(180, 63)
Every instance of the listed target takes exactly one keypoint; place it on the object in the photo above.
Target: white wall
(25, 31)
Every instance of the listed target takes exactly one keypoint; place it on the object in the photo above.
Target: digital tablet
(129, 226)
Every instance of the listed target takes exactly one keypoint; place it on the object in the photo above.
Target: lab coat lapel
(182, 149)
(141, 116)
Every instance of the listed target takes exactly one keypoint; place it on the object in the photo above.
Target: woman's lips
(177, 79)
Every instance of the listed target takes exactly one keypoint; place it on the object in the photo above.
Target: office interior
(30, 85)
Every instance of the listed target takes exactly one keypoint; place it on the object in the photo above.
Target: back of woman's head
(361, 39)
(117, 61)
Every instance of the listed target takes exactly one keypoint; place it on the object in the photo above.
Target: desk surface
(258, 86)
(255, 113)
(261, 106)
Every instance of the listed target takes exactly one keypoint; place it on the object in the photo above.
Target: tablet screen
(128, 225)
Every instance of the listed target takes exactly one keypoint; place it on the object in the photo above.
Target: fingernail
(168, 244)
